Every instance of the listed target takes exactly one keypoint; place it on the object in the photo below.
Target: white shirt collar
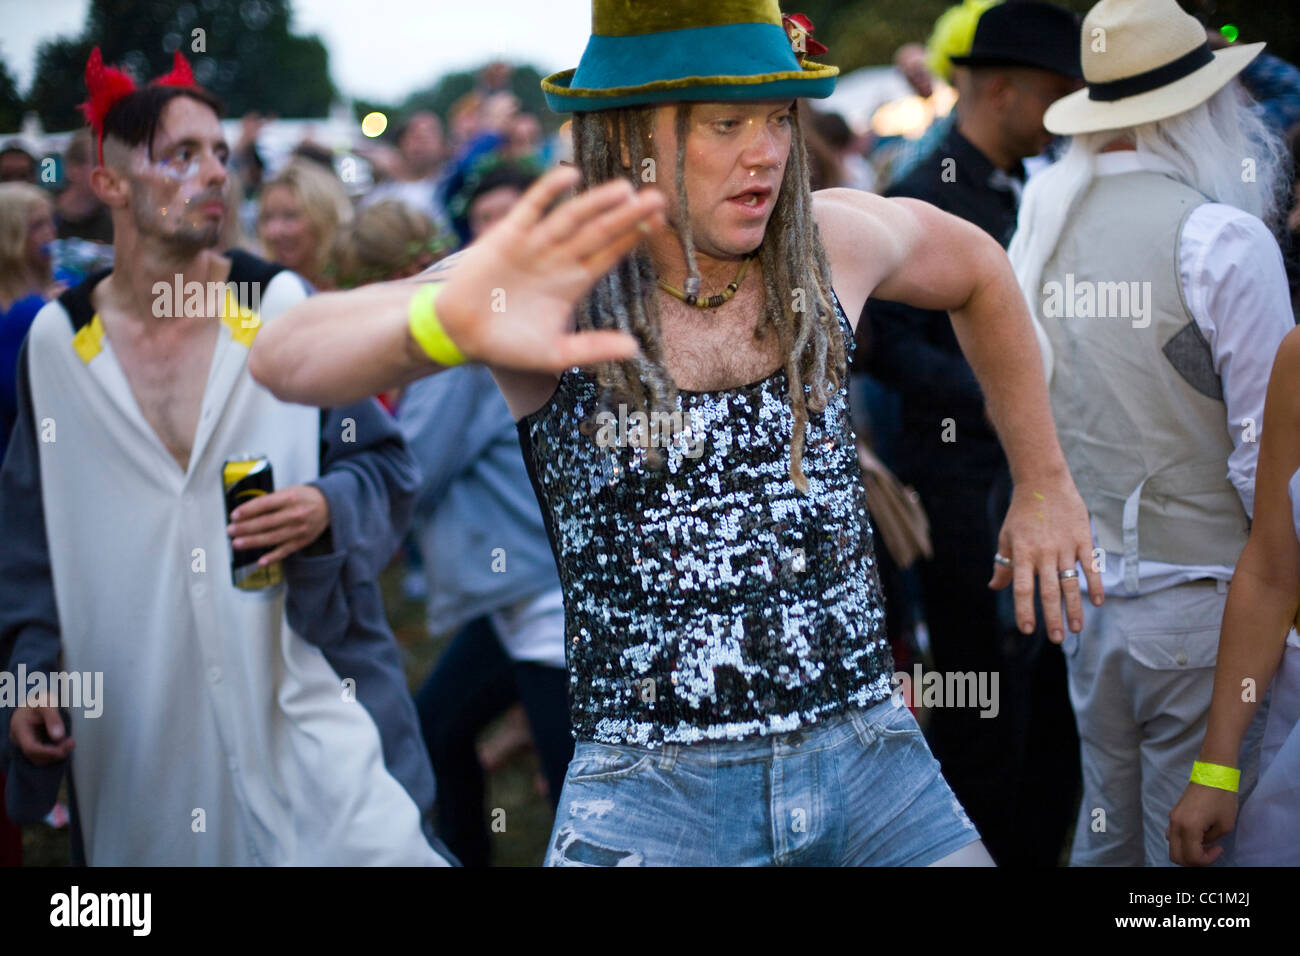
(1130, 161)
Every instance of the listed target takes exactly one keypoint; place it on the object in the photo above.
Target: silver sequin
(714, 600)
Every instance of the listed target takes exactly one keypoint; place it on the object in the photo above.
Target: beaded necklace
(692, 297)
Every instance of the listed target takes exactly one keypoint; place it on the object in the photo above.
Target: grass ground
(527, 818)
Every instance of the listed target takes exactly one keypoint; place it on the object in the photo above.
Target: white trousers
(1141, 674)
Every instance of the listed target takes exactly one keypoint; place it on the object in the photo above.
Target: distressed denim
(861, 789)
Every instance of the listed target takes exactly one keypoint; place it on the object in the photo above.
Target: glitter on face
(710, 599)
(174, 188)
(177, 171)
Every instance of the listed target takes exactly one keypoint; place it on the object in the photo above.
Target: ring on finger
(1067, 575)
(1003, 560)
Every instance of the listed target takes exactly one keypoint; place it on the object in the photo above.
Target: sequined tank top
(709, 599)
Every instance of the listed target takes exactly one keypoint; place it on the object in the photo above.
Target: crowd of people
(640, 616)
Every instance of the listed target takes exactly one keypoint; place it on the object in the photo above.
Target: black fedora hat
(1026, 33)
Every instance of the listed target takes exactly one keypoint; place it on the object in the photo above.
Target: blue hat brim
(744, 61)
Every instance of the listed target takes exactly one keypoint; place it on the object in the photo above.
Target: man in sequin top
(675, 358)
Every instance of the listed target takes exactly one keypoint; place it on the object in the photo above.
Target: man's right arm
(337, 348)
(508, 302)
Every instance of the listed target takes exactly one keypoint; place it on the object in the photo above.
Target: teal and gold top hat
(661, 51)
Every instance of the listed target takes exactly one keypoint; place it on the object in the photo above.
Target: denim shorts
(858, 789)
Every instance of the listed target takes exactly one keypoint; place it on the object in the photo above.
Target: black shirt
(915, 350)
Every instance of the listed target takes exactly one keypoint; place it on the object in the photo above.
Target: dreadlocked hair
(796, 281)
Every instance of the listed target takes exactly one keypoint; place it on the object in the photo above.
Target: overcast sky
(379, 49)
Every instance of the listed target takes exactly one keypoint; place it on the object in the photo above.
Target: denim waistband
(832, 731)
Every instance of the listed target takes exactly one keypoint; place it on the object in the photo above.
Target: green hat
(710, 50)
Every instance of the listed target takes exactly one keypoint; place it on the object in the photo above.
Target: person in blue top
(26, 283)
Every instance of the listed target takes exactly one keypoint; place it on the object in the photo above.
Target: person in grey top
(491, 577)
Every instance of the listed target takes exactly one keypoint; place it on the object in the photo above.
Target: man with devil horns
(232, 726)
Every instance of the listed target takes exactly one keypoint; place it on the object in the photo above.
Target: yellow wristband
(1215, 775)
(428, 331)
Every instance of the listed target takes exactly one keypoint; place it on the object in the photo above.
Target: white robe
(225, 737)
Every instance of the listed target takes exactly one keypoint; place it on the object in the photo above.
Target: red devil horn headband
(106, 85)
(181, 74)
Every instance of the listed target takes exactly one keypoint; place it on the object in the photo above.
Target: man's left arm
(926, 258)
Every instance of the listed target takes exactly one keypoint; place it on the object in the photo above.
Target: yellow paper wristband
(428, 331)
(1216, 775)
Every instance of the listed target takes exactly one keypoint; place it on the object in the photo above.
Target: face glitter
(168, 192)
(752, 608)
(176, 171)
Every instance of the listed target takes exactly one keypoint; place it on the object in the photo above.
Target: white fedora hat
(1143, 60)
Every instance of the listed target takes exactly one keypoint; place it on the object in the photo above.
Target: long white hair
(1222, 148)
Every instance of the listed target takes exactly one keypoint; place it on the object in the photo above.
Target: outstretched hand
(1046, 532)
(510, 300)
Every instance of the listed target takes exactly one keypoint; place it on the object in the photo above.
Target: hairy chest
(710, 349)
(167, 370)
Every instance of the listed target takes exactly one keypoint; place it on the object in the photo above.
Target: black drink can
(243, 479)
